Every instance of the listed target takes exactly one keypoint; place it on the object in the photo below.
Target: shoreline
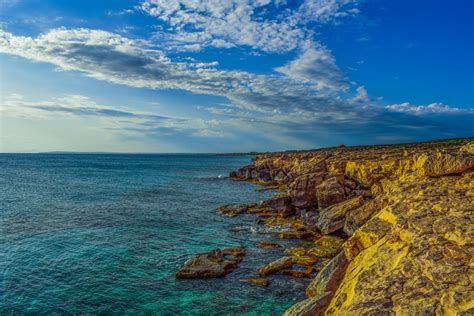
(360, 213)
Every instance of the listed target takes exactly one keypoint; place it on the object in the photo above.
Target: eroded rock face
(213, 264)
(415, 255)
(408, 210)
(313, 306)
(329, 277)
(333, 218)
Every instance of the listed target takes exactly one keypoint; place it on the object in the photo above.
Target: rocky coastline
(383, 229)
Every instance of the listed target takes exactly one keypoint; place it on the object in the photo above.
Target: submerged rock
(257, 281)
(235, 209)
(276, 266)
(269, 245)
(212, 264)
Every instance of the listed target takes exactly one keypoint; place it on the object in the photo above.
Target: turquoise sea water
(104, 234)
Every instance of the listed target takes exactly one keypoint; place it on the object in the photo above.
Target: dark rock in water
(269, 245)
(234, 209)
(213, 264)
(257, 281)
(275, 266)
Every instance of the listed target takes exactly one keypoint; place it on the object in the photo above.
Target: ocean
(105, 234)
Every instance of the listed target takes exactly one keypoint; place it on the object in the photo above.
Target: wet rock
(275, 266)
(269, 245)
(234, 209)
(325, 252)
(296, 251)
(329, 192)
(304, 260)
(329, 277)
(213, 264)
(333, 218)
(257, 281)
(313, 306)
(296, 234)
(303, 272)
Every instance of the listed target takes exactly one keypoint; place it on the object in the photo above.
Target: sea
(104, 234)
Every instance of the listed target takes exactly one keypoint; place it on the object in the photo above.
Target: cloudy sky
(233, 75)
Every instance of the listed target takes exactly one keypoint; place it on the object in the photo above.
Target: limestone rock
(468, 148)
(356, 219)
(313, 306)
(329, 277)
(440, 164)
(329, 192)
(333, 218)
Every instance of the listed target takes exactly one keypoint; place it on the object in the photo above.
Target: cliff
(397, 221)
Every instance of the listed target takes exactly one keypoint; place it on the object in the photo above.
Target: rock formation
(392, 227)
(213, 264)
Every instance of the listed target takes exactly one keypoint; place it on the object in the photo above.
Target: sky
(233, 75)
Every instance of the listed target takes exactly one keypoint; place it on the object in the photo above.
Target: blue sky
(225, 76)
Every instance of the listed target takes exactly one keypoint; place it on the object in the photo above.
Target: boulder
(212, 264)
(329, 277)
(333, 218)
(275, 266)
(304, 200)
(329, 192)
(281, 203)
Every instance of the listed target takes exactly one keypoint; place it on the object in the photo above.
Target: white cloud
(111, 57)
(433, 108)
(315, 65)
(194, 24)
